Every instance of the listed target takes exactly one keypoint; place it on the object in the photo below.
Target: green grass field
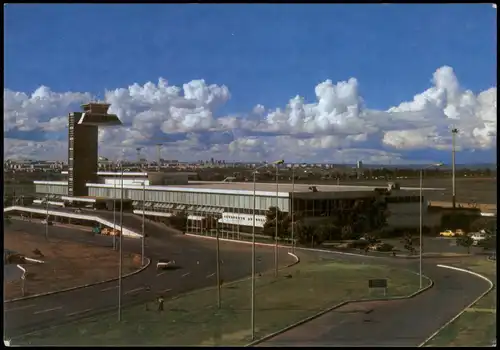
(194, 319)
(476, 326)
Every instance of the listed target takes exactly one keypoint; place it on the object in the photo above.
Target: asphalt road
(390, 323)
(394, 323)
(195, 257)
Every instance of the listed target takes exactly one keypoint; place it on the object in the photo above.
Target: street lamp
(454, 132)
(292, 208)
(252, 313)
(143, 217)
(276, 163)
(421, 223)
(121, 248)
(114, 208)
(47, 217)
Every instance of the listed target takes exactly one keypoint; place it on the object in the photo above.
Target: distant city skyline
(207, 81)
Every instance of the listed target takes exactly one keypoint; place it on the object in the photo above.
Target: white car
(478, 236)
(164, 264)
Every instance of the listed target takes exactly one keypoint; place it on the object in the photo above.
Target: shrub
(359, 244)
(384, 247)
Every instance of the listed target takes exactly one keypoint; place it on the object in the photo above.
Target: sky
(383, 84)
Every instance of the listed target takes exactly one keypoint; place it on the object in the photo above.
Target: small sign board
(377, 283)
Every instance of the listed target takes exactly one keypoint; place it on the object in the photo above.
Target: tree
(273, 214)
(465, 241)
(483, 223)
(304, 233)
(322, 233)
(489, 243)
(179, 221)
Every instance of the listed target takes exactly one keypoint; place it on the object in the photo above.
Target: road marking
(47, 310)
(212, 274)
(78, 312)
(20, 308)
(166, 290)
(133, 290)
(186, 274)
(109, 288)
(161, 273)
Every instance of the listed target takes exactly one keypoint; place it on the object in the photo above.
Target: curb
(492, 285)
(285, 246)
(321, 313)
(80, 287)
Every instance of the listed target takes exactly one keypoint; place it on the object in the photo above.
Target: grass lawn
(477, 326)
(194, 319)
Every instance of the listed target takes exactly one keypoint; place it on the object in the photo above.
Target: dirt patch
(67, 264)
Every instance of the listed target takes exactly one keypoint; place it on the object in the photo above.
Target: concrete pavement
(195, 257)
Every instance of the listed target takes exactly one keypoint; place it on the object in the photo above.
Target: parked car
(478, 236)
(447, 233)
(459, 232)
(47, 223)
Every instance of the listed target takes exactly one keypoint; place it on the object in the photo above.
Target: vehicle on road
(459, 232)
(478, 236)
(447, 233)
(164, 264)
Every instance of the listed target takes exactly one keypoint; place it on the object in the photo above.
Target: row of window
(206, 199)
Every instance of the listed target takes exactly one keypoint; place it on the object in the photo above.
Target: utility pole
(218, 265)
(121, 249)
(143, 220)
(454, 132)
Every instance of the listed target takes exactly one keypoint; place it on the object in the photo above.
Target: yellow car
(447, 233)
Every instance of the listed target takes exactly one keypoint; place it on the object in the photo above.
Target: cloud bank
(337, 127)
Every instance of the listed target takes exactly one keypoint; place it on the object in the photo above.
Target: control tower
(83, 145)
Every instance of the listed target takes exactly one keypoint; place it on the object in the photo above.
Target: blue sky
(264, 54)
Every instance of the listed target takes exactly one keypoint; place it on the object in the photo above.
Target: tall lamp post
(252, 313)
(121, 248)
(454, 132)
(114, 208)
(276, 163)
(47, 217)
(421, 223)
(143, 183)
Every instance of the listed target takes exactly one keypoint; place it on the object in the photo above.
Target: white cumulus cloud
(336, 126)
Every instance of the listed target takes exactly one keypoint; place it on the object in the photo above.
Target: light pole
(47, 217)
(276, 163)
(218, 264)
(421, 222)
(121, 249)
(454, 132)
(114, 210)
(143, 218)
(292, 208)
(252, 312)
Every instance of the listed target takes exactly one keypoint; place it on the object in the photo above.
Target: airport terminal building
(164, 194)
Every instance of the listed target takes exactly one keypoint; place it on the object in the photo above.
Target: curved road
(393, 323)
(196, 259)
(407, 322)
